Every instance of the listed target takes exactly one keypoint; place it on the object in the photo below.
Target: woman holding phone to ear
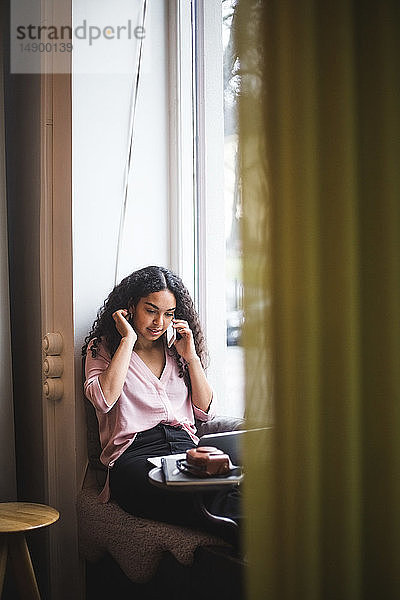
(147, 394)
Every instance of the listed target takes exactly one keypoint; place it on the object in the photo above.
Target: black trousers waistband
(158, 441)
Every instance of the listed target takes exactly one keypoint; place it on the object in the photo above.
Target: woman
(147, 395)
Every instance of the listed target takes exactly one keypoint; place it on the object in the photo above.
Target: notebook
(175, 476)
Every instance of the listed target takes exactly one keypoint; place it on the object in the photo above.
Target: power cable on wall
(132, 114)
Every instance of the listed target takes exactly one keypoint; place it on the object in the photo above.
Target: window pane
(233, 213)
(217, 198)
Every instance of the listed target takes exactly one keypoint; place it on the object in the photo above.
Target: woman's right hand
(122, 324)
(112, 379)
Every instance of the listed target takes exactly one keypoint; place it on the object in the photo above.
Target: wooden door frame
(56, 273)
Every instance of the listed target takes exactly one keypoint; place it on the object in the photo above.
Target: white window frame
(197, 211)
(181, 171)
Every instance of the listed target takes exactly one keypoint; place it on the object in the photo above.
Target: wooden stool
(15, 519)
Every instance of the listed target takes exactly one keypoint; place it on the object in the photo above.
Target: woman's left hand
(185, 345)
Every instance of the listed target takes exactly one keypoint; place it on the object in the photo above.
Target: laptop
(230, 442)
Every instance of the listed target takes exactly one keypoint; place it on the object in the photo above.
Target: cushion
(136, 544)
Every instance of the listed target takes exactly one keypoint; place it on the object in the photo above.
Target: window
(205, 198)
(233, 212)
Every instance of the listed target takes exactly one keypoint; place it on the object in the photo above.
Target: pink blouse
(145, 402)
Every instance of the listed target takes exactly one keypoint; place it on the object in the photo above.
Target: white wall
(100, 142)
(7, 447)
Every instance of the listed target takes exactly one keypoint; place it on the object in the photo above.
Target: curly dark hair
(138, 285)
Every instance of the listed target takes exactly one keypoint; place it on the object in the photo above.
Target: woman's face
(153, 314)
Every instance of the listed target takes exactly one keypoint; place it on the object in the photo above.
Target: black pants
(132, 490)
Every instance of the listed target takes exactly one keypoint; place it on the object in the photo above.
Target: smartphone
(171, 336)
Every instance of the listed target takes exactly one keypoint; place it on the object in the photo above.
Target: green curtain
(320, 168)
